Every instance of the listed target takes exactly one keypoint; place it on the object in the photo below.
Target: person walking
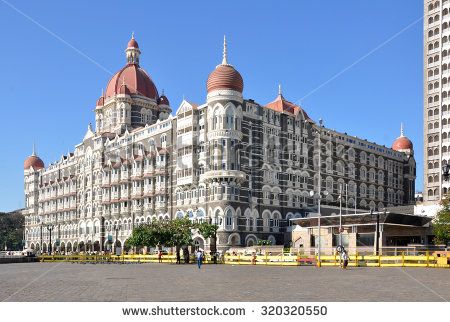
(199, 256)
(178, 256)
(160, 256)
(344, 259)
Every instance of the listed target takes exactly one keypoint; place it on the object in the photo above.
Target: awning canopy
(386, 218)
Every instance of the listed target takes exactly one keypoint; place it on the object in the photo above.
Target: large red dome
(225, 77)
(136, 80)
(402, 143)
(33, 161)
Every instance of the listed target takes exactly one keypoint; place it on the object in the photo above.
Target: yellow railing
(355, 260)
(135, 258)
(277, 260)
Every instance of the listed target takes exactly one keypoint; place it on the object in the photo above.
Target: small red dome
(33, 161)
(163, 100)
(402, 143)
(132, 43)
(225, 77)
(101, 101)
(136, 80)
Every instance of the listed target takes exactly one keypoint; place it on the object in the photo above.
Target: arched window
(229, 219)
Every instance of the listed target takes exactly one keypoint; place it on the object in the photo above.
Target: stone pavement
(170, 282)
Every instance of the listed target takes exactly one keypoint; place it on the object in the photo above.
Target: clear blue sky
(48, 89)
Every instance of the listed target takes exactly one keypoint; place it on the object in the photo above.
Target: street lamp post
(319, 189)
(116, 229)
(50, 228)
(340, 248)
(214, 250)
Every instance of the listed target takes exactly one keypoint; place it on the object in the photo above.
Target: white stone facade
(248, 167)
(436, 99)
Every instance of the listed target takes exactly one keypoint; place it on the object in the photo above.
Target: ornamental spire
(34, 149)
(224, 60)
(132, 51)
(279, 89)
(401, 130)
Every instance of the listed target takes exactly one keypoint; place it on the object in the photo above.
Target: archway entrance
(44, 247)
(82, 247)
(235, 240)
(199, 243)
(251, 241)
(62, 247)
(69, 247)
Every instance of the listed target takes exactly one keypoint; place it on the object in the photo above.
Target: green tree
(441, 224)
(11, 230)
(263, 242)
(155, 233)
(173, 233)
(208, 230)
(180, 232)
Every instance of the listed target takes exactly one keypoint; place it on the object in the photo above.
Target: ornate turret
(132, 51)
(33, 161)
(402, 143)
(225, 77)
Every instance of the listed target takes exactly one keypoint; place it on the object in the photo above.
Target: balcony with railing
(125, 176)
(136, 173)
(149, 171)
(115, 179)
(149, 206)
(106, 181)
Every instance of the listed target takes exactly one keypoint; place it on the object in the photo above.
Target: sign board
(58, 242)
(118, 251)
(109, 239)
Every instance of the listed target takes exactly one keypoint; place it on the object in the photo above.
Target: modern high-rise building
(436, 114)
(246, 166)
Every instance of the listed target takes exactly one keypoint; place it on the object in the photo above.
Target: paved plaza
(170, 282)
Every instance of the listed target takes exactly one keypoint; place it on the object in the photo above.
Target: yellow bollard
(428, 258)
(266, 259)
(403, 258)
